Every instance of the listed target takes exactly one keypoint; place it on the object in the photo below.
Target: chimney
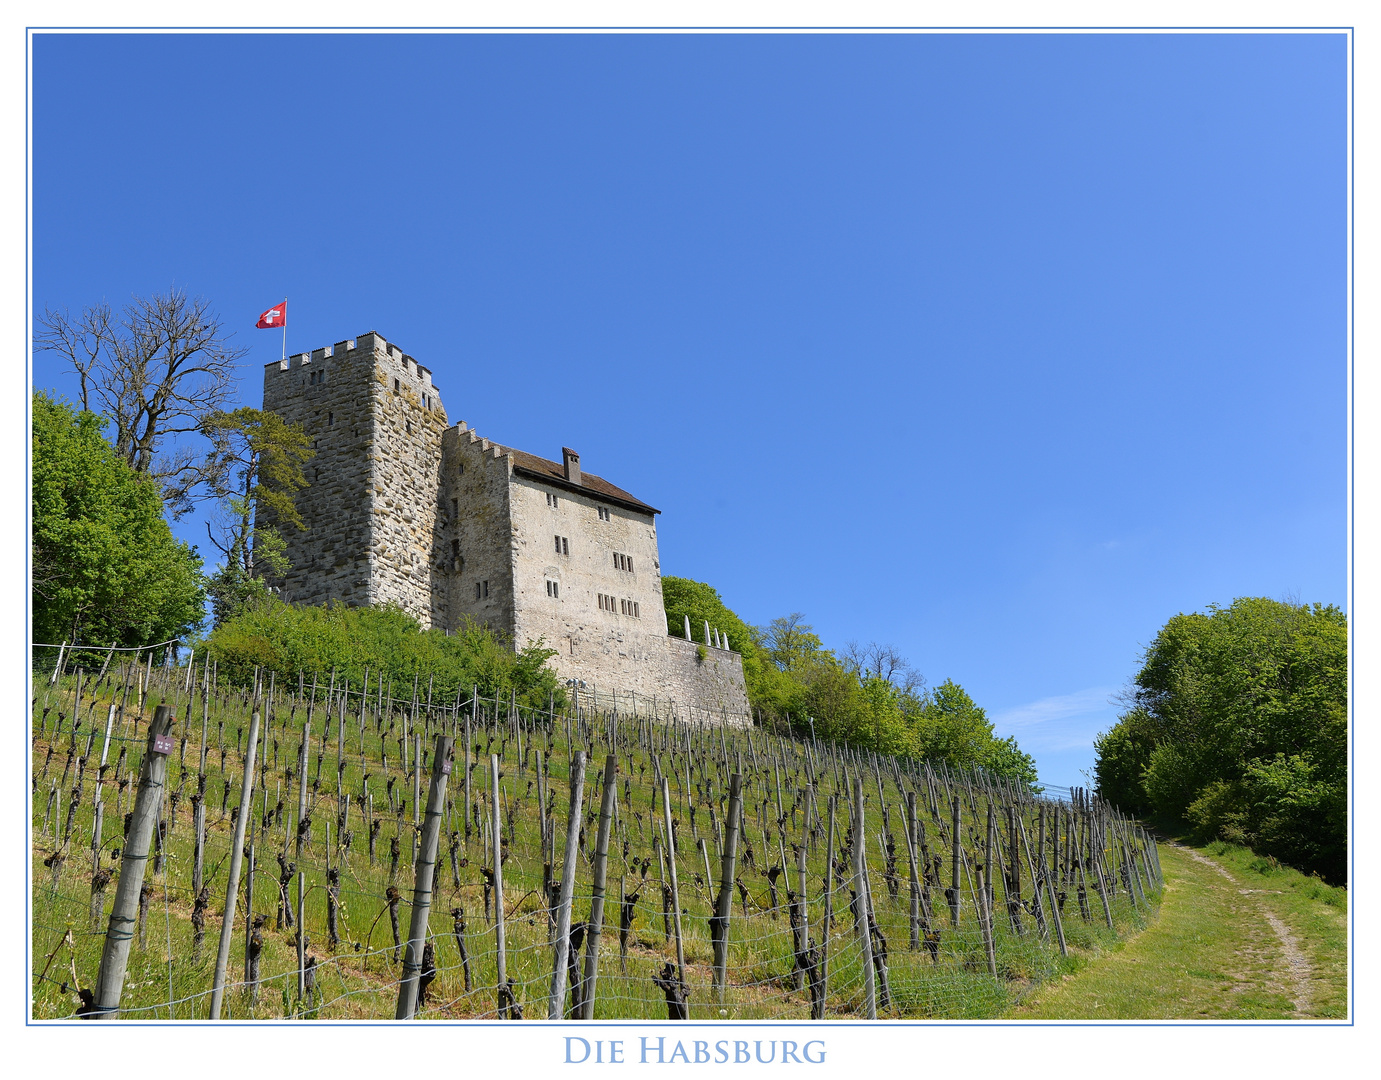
(572, 462)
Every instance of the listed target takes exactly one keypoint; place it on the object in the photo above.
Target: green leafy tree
(1123, 756)
(950, 727)
(106, 567)
(871, 696)
(1244, 712)
(1005, 758)
(262, 456)
(833, 699)
(788, 642)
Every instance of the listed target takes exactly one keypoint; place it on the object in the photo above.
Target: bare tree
(882, 662)
(156, 371)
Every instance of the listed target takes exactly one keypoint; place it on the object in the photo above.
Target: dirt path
(1215, 951)
(1298, 973)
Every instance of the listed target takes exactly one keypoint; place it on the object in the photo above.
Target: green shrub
(289, 639)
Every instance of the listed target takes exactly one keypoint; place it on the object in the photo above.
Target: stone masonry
(452, 527)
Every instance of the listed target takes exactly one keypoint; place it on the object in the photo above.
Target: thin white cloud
(1063, 722)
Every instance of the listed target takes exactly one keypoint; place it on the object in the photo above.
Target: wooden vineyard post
(988, 943)
(829, 905)
(205, 713)
(803, 960)
(724, 905)
(570, 863)
(249, 907)
(1055, 915)
(302, 935)
(592, 932)
(198, 836)
(675, 888)
(500, 955)
(423, 877)
(915, 877)
(302, 756)
(861, 903)
(954, 865)
(1096, 838)
(110, 981)
(232, 886)
(468, 767)
(1037, 908)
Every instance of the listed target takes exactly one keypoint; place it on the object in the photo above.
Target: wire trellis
(859, 884)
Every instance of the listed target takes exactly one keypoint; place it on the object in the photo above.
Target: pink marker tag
(162, 744)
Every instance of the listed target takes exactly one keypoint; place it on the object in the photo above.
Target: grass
(170, 977)
(1213, 952)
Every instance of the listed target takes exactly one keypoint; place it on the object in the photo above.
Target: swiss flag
(274, 318)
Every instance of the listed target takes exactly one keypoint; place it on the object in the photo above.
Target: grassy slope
(1213, 952)
(363, 983)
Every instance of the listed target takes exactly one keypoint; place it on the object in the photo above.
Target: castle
(403, 507)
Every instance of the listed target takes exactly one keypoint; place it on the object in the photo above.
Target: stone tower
(403, 509)
(375, 420)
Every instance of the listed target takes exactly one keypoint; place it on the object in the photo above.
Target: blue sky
(999, 348)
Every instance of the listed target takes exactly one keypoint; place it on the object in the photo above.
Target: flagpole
(285, 328)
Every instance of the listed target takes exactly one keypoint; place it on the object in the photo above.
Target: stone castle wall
(375, 421)
(405, 466)
(476, 480)
(713, 685)
(403, 509)
(608, 646)
(328, 393)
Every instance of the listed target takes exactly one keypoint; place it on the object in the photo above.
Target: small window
(603, 513)
(316, 475)
(558, 544)
(486, 590)
(407, 426)
(330, 419)
(397, 386)
(426, 401)
(552, 500)
(554, 590)
(481, 590)
(455, 509)
(628, 563)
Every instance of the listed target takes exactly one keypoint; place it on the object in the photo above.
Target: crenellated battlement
(385, 353)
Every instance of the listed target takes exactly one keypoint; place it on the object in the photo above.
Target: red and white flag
(275, 317)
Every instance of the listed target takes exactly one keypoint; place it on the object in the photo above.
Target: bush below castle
(389, 643)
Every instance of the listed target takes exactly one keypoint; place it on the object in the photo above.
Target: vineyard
(304, 848)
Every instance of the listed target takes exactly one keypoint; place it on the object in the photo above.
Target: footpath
(1227, 944)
